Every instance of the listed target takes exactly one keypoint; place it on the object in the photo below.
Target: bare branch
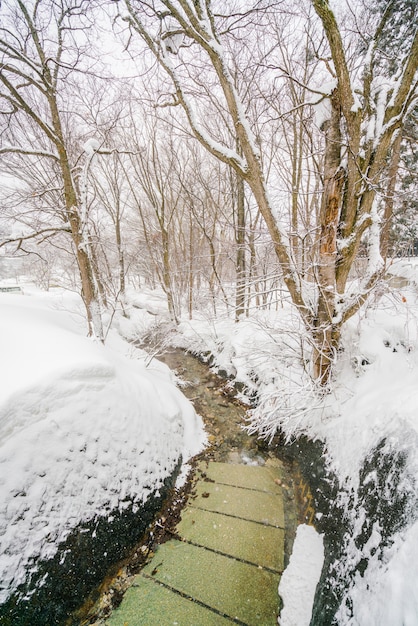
(27, 151)
(45, 231)
(332, 31)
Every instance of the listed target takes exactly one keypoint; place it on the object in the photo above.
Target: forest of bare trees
(235, 155)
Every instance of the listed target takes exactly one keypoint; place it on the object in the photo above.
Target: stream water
(223, 414)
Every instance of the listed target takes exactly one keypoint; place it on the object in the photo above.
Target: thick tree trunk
(88, 285)
(325, 334)
(88, 290)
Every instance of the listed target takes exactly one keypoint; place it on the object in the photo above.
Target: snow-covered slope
(84, 430)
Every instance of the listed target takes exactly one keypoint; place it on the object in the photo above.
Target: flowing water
(310, 492)
(224, 415)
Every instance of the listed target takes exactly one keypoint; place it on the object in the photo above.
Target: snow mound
(298, 582)
(84, 431)
(91, 146)
(390, 582)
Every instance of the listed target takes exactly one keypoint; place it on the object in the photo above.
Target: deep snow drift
(85, 429)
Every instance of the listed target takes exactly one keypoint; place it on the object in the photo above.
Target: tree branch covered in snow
(43, 233)
(27, 151)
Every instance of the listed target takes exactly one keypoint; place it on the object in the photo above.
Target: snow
(406, 268)
(398, 589)
(117, 404)
(91, 146)
(322, 104)
(298, 582)
(84, 429)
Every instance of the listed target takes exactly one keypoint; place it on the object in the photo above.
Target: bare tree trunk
(240, 239)
(390, 193)
(325, 334)
(72, 204)
(191, 273)
(296, 181)
(88, 286)
(121, 258)
(167, 281)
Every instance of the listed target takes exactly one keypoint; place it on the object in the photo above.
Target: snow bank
(397, 584)
(84, 430)
(298, 582)
(91, 146)
(405, 268)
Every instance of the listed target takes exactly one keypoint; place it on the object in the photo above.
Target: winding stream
(303, 460)
(223, 414)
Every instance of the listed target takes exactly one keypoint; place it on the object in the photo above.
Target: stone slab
(242, 539)
(238, 590)
(261, 478)
(256, 506)
(148, 603)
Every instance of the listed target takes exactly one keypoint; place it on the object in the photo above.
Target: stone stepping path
(225, 563)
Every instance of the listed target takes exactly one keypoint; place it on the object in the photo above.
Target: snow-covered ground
(85, 429)
(405, 267)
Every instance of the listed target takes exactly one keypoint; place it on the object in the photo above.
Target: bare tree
(152, 178)
(362, 129)
(39, 50)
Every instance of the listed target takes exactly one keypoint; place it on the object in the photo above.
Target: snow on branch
(45, 232)
(222, 152)
(406, 85)
(25, 77)
(15, 54)
(28, 152)
(333, 34)
(20, 103)
(91, 146)
(198, 29)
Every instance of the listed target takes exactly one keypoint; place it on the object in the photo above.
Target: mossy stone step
(225, 568)
(235, 589)
(148, 603)
(261, 478)
(242, 539)
(257, 506)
